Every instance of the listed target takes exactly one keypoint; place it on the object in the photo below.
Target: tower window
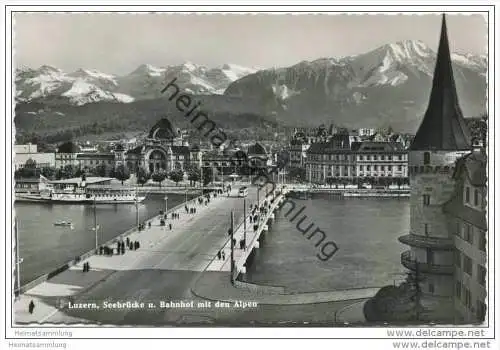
(427, 158)
(467, 194)
(426, 229)
(476, 197)
(467, 265)
(458, 290)
(426, 199)
(431, 288)
(481, 275)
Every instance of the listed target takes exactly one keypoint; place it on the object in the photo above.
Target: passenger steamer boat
(91, 190)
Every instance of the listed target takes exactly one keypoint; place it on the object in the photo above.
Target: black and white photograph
(210, 169)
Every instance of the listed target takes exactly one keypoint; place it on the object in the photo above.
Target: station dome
(163, 130)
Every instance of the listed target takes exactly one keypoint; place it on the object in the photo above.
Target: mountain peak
(48, 69)
(148, 69)
(407, 50)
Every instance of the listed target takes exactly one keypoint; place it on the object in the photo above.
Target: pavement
(217, 286)
(352, 314)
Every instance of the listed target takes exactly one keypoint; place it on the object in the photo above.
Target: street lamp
(166, 204)
(19, 260)
(136, 210)
(232, 247)
(245, 222)
(96, 226)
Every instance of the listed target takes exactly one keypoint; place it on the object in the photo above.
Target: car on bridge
(243, 192)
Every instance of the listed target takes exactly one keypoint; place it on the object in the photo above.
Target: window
(430, 256)
(458, 290)
(480, 310)
(467, 265)
(427, 199)
(426, 229)
(482, 240)
(374, 157)
(368, 168)
(389, 167)
(458, 229)
(481, 275)
(476, 198)
(427, 158)
(400, 167)
(468, 233)
(382, 157)
(467, 194)
(468, 299)
(431, 288)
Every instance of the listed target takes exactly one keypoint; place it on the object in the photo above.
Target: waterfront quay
(175, 265)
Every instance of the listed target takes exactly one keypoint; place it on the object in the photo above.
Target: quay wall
(259, 289)
(87, 254)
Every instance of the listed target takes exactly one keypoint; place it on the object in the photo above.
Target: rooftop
(78, 180)
(443, 126)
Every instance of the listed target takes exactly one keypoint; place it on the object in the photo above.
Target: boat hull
(66, 200)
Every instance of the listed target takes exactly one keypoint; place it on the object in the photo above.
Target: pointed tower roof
(443, 126)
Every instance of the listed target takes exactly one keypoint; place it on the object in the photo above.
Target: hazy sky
(118, 43)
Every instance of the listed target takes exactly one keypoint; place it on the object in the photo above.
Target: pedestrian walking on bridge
(31, 307)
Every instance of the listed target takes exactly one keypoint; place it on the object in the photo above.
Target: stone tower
(441, 139)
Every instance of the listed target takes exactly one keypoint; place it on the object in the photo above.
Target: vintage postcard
(324, 173)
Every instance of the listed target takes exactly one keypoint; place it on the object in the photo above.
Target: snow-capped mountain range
(390, 82)
(389, 85)
(86, 85)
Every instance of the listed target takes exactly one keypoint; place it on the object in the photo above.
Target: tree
(330, 181)
(122, 173)
(67, 172)
(297, 174)
(159, 176)
(194, 175)
(208, 176)
(414, 280)
(30, 164)
(142, 176)
(102, 170)
(282, 159)
(176, 176)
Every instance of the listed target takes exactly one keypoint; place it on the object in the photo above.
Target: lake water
(44, 247)
(365, 231)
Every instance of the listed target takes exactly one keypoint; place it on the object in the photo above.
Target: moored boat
(63, 223)
(92, 190)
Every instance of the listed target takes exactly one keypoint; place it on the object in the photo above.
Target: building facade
(467, 220)
(23, 153)
(163, 149)
(361, 160)
(441, 140)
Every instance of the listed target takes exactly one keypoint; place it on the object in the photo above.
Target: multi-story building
(366, 132)
(163, 149)
(92, 160)
(298, 153)
(361, 160)
(441, 140)
(467, 218)
(330, 159)
(380, 159)
(66, 155)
